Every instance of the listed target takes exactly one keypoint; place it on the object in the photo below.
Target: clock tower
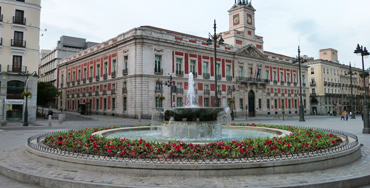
(242, 26)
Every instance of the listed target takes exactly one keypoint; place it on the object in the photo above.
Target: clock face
(236, 19)
(249, 19)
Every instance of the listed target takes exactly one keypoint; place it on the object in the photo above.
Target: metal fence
(162, 159)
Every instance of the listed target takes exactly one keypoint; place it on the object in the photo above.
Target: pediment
(250, 51)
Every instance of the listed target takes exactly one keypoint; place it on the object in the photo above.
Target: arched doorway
(251, 106)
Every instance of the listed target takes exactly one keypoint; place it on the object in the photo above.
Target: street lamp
(34, 74)
(365, 113)
(168, 83)
(215, 37)
(350, 74)
(299, 61)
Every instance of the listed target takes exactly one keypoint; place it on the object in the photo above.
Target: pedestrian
(342, 116)
(350, 114)
(347, 116)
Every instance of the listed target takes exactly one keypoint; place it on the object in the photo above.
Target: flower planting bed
(305, 149)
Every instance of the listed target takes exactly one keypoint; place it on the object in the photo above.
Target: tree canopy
(46, 92)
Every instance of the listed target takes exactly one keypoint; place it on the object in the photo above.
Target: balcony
(219, 92)
(96, 93)
(207, 91)
(313, 84)
(304, 94)
(313, 94)
(78, 95)
(84, 80)
(97, 78)
(229, 92)
(275, 82)
(124, 90)
(325, 83)
(283, 94)
(282, 82)
(289, 83)
(104, 92)
(67, 96)
(252, 80)
(90, 94)
(158, 71)
(229, 78)
(73, 83)
(303, 84)
(219, 77)
(84, 94)
(268, 93)
(68, 84)
(295, 83)
(78, 81)
(19, 20)
(195, 75)
(295, 94)
(206, 75)
(125, 71)
(18, 43)
(90, 79)
(114, 74)
(179, 90)
(22, 69)
(289, 94)
(73, 95)
(179, 73)
(105, 76)
(113, 91)
(158, 88)
(275, 94)
(61, 84)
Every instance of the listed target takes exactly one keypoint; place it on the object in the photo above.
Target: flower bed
(301, 140)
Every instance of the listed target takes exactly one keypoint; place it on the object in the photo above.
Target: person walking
(347, 116)
(342, 116)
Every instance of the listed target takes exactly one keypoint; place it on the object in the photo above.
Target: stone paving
(14, 136)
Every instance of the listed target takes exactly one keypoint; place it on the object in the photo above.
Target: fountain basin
(194, 114)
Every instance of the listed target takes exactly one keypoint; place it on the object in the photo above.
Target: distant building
(19, 56)
(66, 47)
(330, 85)
(123, 75)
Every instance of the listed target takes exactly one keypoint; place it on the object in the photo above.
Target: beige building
(330, 85)
(124, 76)
(19, 31)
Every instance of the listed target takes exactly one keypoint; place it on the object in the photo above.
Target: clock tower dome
(242, 25)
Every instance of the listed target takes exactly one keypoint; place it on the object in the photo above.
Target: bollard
(61, 118)
(139, 117)
(49, 120)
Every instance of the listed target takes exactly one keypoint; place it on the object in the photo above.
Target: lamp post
(300, 60)
(168, 83)
(350, 78)
(214, 37)
(365, 112)
(25, 117)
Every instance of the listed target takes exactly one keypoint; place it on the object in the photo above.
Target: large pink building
(124, 76)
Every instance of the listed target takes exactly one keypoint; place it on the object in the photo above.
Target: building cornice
(23, 4)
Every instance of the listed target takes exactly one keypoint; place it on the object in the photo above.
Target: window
(295, 103)
(259, 103)
(179, 101)
(157, 66)
(17, 63)
(289, 104)
(294, 78)
(114, 64)
(303, 79)
(206, 102)
(19, 17)
(97, 104)
(192, 66)
(250, 72)
(124, 103)
(304, 103)
(125, 62)
(98, 70)
(218, 69)
(105, 104)
(228, 70)
(267, 72)
(281, 76)
(241, 104)
(158, 102)
(276, 103)
(105, 68)
(274, 76)
(91, 71)
(74, 76)
(205, 67)
(268, 103)
(282, 104)
(18, 39)
(178, 65)
(241, 71)
(313, 90)
(79, 75)
(288, 77)
(69, 77)
(85, 73)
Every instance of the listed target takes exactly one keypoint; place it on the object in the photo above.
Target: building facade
(20, 56)
(125, 76)
(330, 85)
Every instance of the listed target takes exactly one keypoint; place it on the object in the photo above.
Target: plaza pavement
(14, 135)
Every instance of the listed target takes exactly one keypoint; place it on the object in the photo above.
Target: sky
(284, 24)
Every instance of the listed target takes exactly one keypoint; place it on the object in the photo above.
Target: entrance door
(251, 107)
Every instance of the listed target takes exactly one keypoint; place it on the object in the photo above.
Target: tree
(46, 92)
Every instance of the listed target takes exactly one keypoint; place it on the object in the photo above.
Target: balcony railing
(113, 91)
(158, 71)
(68, 84)
(295, 94)
(78, 81)
(229, 92)
(275, 82)
(22, 69)
(288, 83)
(282, 82)
(206, 75)
(114, 74)
(289, 94)
(219, 77)
(84, 80)
(96, 93)
(73, 95)
(179, 90)
(207, 91)
(90, 94)
(90, 79)
(19, 20)
(283, 94)
(83, 94)
(105, 75)
(303, 94)
(229, 78)
(275, 94)
(253, 80)
(179, 73)
(73, 83)
(325, 83)
(219, 92)
(78, 95)
(97, 78)
(104, 92)
(18, 43)
(195, 75)
(125, 71)
(268, 93)
(313, 84)
(158, 88)
(67, 95)
(304, 84)
(295, 83)
(124, 90)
